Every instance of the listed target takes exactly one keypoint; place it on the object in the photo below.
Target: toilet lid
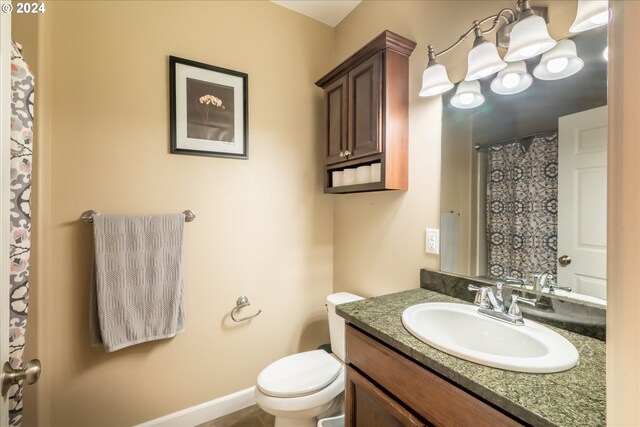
(299, 374)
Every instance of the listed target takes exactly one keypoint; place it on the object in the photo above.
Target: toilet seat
(300, 374)
(289, 405)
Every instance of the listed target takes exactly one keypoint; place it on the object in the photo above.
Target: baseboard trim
(205, 411)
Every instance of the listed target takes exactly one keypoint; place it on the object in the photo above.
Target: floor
(248, 417)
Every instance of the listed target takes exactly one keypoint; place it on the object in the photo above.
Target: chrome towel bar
(87, 216)
(242, 302)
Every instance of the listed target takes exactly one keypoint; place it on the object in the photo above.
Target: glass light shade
(435, 80)
(468, 95)
(529, 38)
(591, 14)
(513, 79)
(559, 63)
(483, 61)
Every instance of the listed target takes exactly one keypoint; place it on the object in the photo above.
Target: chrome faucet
(485, 298)
(545, 280)
(492, 305)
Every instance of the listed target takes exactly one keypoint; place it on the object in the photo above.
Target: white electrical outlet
(432, 245)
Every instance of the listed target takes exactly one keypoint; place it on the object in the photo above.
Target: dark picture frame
(208, 110)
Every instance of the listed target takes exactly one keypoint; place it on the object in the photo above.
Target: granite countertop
(572, 398)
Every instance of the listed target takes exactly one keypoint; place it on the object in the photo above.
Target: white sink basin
(459, 330)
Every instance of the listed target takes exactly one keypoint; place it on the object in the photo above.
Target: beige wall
(263, 227)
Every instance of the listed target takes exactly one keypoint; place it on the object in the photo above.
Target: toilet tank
(336, 323)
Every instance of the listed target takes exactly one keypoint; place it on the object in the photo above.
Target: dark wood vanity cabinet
(370, 406)
(366, 104)
(385, 388)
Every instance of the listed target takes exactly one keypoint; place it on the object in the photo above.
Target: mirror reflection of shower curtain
(22, 96)
(522, 208)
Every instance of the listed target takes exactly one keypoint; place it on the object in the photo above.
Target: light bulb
(511, 80)
(466, 98)
(557, 65)
(605, 54)
(529, 51)
(600, 19)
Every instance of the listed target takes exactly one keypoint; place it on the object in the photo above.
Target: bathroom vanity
(394, 379)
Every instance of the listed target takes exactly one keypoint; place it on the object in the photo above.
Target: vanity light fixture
(559, 63)
(529, 36)
(483, 59)
(591, 14)
(525, 34)
(513, 79)
(434, 79)
(468, 95)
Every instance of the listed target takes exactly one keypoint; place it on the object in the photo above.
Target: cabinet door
(336, 117)
(365, 108)
(369, 406)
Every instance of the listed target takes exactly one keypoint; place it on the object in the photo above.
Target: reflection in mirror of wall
(524, 174)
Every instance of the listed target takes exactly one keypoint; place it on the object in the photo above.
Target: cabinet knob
(347, 153)
(342, 154)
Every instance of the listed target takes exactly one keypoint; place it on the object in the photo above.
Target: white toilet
(303, 387)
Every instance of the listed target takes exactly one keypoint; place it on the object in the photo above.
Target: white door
(5, 143)
(582, 202)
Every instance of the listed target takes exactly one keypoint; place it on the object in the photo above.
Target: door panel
(370, 406)
(582, 201)
(365, 88)
(336, 116)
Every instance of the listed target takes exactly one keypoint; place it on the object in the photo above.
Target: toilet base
(334, 408)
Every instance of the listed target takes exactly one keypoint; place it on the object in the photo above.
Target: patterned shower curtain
(22, 94)
(522, 208)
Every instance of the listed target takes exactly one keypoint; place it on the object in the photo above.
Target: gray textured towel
(137, 290)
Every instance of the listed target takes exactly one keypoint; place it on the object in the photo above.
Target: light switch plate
(432, 241)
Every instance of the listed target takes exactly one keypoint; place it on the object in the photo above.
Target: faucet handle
(514, 308)
(481, 299)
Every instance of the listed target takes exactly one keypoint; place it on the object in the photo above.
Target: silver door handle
(564, 260)
(9, 376)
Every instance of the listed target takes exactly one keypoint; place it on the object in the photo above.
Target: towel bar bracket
(240, 303)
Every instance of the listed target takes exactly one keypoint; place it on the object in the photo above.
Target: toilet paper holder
(242, 301)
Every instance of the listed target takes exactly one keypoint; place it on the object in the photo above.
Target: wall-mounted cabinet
(367, 118)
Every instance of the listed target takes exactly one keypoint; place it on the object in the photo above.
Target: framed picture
(208, 110)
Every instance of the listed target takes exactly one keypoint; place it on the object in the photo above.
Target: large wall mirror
(524, 181)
